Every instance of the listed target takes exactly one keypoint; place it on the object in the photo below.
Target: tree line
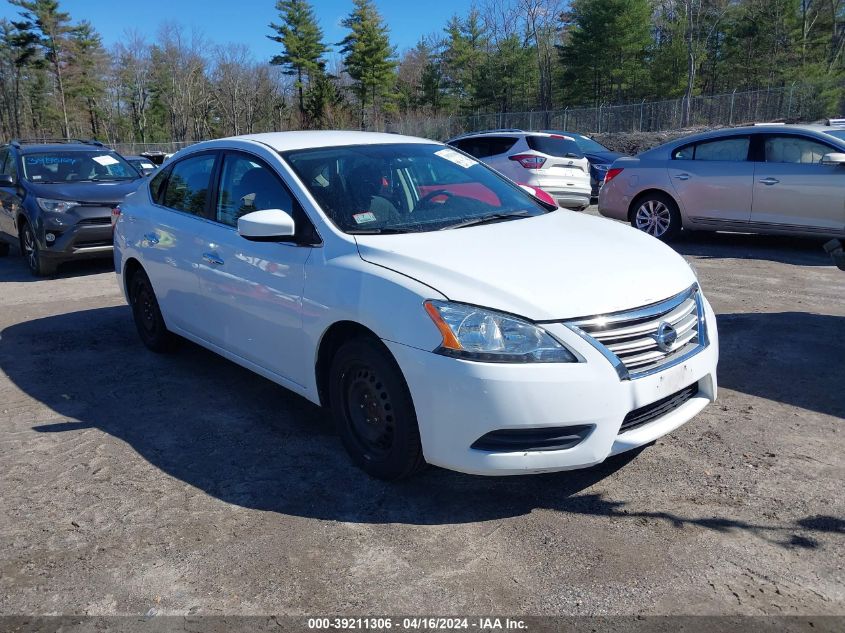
(58, 79)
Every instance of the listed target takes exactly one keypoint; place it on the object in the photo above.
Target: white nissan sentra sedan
(441, 313)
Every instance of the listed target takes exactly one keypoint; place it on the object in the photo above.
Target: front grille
(644, 340)
(644, 415)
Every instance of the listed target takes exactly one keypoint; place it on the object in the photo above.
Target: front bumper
(85, 234)
(457, 402)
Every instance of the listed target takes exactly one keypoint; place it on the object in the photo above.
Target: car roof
(314, 139)
(760, 128)
(506, 132)
(61, 147)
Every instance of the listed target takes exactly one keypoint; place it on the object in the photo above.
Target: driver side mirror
(833, 159)
(6, 180)
(269, 225)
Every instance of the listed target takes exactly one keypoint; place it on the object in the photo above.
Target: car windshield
(589, 145)
(839, 134)
(76, 166)
(407, 188)
(139, 163)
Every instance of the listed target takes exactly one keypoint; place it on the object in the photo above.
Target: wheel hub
(370, 411)
(653, 217)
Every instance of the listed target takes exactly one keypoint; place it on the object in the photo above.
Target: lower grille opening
(541, 439)
(650, 412)
(92, 243)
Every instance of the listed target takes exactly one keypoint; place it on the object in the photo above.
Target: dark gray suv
(56, 200)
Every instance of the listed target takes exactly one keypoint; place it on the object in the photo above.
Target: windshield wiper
(387, 230)
(486, 219)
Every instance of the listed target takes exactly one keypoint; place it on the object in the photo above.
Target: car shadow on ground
(249, 442)
(14, 268)
(798, 251)
(796, 358)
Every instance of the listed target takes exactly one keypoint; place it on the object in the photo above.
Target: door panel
(172, 240)
(10, 200)
(714, 182)
(253, 290)
(252, 295)
(793, 191)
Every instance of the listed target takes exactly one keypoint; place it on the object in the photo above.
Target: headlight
(477, 334)
(59, 206)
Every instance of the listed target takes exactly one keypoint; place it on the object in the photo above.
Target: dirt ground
(132, 483)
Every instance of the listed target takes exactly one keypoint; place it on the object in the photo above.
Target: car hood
(556, 266)
(605, 158)
(85, 191)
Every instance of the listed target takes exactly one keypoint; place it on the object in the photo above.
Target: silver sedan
(787, 179)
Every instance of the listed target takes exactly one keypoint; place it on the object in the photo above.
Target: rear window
(558, 146)
(483, 146)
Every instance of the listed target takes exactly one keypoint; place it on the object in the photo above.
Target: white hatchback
(549, 161)
(439, 311)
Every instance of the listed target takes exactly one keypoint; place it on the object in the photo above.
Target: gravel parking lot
(187, 485)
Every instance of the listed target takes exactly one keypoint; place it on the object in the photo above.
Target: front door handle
(151, 238)
(682, 176)
(769, 181)
(212, 258)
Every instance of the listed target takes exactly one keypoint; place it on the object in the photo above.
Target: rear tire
(373, 411)
(657, 214)
(38, 265)
(148, 320)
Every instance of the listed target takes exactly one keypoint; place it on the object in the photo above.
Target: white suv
(441, 313)
(552, 162)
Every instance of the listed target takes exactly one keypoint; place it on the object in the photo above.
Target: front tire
(373, 411)
(38, 265)
(148, 320)
(657, 214)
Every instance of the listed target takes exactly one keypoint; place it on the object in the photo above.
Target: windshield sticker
(455, 157)
(105, 160)
(363, 218)
(49, 160)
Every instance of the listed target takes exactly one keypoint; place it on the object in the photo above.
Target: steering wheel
(425, 201)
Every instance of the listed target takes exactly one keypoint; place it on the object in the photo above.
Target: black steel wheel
(373, 411)
(148, 320)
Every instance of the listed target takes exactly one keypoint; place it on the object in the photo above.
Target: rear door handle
(212, 258)
(152, 238)
(770, 181)
(682, 176)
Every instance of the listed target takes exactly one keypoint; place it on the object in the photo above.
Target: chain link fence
(797, 102)
(793, 103)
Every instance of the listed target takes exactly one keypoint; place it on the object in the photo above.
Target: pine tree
(85, 76)
(54, 28)
(368, 55)
(302, 40)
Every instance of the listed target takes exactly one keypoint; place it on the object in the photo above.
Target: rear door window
(733, 149)
(188, 184)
